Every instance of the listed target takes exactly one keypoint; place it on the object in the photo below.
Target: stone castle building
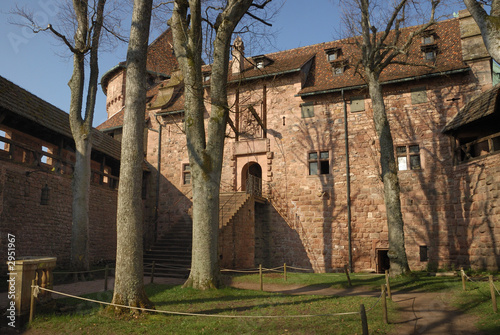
(301, 121)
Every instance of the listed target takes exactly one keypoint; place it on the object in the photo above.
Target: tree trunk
(205, 154)
(489, 25)
(129, 285)
(81, 127)
(395, 224)
(80, 188)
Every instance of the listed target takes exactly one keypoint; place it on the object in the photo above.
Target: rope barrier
(240, 271)
(38, 288)
(78, 272)
(476, 282)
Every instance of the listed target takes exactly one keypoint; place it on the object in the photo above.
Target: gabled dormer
(429, 45)
(333, 54)
(261, 61)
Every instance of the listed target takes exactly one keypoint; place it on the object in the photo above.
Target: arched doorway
(251, 178)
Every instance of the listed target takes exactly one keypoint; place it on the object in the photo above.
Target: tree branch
(258, 19)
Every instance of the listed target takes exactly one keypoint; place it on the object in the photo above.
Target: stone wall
(45, 230)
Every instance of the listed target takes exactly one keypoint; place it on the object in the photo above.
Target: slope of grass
(247, 306)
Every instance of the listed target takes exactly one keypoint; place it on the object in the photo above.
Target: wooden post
(364, 320)
(346, 270)
(260, 278)
(106, 273)
(152, 272)
(32, 305)
(493, 295)
(384, 304)
(462, 273)
(388, 284)
(284, 271)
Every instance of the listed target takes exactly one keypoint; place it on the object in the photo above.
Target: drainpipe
(348, 181)
(158, 175)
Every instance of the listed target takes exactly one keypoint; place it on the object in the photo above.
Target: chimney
(474, 51)
(238, 53)
(472, 42)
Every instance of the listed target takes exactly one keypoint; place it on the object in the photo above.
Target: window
(4, 145)
(430, 55)
(429, 39)
(319, 162)
(307, 109)
(260, 64)
(46, 159)
(338, 70)
(408, 157)
(333, 54)
(429, 51)
(206, 76)
(357, 104)
(186, 174)
(418, 95)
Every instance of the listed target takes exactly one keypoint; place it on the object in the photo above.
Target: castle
(301, 142)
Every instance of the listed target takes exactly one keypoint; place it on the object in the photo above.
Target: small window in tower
(186, 174)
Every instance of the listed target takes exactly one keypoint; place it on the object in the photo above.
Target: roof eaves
(388, 82)
(180, 111)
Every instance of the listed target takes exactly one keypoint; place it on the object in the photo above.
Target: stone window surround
(322, 164)
(185, 172)
(408, 154)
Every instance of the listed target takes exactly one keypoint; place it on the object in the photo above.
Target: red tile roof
(320, 77)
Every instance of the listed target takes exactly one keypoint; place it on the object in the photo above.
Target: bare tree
(489, 25)
(205, 147)
(379, 49)
(129, 285)
(86, 21)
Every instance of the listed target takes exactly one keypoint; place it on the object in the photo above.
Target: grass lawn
(76, 317)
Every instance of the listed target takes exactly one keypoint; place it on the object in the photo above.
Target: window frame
(408, 154)
(318, 160)
(185, 171)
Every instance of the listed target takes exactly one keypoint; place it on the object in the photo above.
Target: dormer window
(206, 76)
(261, 61)
(429, 51)
(338, 67)
(428, 37)
(333, 54)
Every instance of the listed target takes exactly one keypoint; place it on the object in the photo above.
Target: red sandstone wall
(45, 230)
(307, 225)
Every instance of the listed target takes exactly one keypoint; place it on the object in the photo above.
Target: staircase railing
(254, 185)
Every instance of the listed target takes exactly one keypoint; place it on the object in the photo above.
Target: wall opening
(383, 262)
(251, 178)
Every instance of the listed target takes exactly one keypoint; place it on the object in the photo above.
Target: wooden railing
(478, 148)
(23, 153)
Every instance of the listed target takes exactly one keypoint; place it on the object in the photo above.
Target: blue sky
(41, 65)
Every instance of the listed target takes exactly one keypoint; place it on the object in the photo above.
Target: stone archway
(251, 178)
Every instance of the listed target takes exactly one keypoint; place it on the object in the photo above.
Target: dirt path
(420, 313)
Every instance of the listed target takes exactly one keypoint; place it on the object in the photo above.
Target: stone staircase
(229, 204)
(172, 252)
